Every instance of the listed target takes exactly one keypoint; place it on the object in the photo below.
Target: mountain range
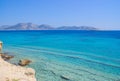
(31, 26)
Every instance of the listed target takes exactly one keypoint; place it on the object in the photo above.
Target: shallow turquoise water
(77, 55)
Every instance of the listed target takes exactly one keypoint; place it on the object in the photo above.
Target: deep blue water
(77, 55)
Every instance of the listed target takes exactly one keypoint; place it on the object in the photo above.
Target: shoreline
(11, 72)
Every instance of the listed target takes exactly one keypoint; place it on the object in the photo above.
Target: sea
(66, 55)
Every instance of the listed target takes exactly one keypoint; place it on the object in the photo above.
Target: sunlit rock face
(12, 72)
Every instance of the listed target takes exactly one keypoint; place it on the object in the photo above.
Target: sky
(102, 14)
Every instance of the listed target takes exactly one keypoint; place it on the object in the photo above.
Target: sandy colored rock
(6, 57)
(10, 72)
(24, 62)
(1, 46)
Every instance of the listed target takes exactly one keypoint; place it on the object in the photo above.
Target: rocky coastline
(11, 72)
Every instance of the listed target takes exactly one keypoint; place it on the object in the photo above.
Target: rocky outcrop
(10, 72)
(24, 62)
(1, 46)
(6, 56)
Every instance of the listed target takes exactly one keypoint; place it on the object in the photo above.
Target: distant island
(31, 26)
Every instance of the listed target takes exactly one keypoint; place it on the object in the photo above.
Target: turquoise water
(77, 55)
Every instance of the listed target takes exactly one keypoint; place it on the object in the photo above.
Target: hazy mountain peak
(31, 26)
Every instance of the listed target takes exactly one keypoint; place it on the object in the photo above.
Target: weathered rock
(6, 56)
(10, 72)
(1, 46)
(29, 73)
(24, 62)
(64, 77)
